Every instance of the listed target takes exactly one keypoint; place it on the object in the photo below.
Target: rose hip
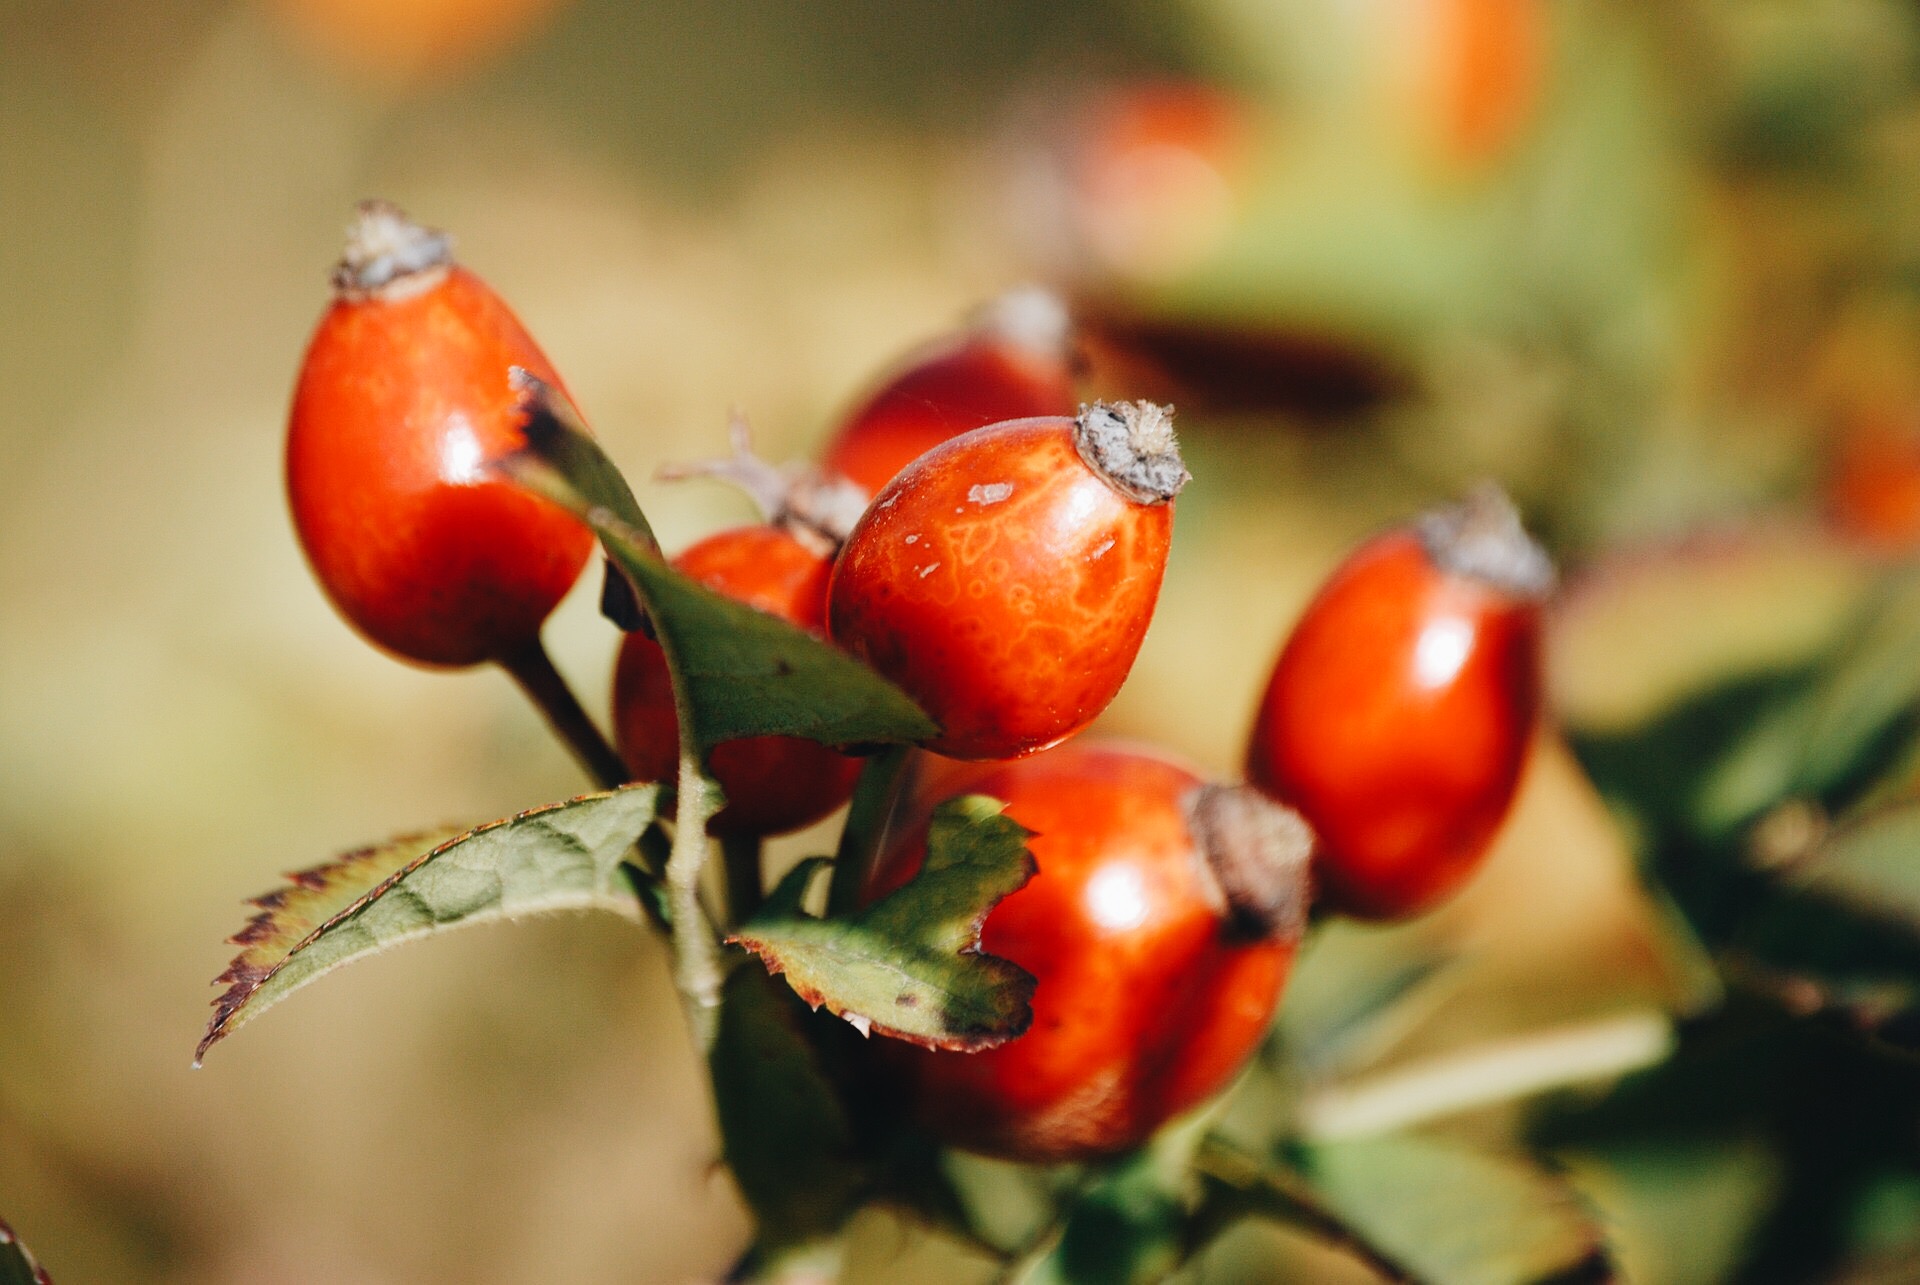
(1006, 579)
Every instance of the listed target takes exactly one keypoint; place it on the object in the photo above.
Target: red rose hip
(405, 394)
(1160, 929)
(1006, 579)
(1399, 714)
(1014, 361)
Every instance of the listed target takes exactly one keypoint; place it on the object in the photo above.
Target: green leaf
(785, 1131)
(554, 432)
(1354, 992)
(1871, 866)
(16, 1264)
(1133, 1222)
(1683, 1209)
(1454, 1216)
(738, 672)
(564, 856)
(910, 965)
(1693, 615)
(1852, 720)
(1841, 931)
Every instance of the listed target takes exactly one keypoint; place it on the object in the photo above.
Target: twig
(1483, 1076)
(533, 670)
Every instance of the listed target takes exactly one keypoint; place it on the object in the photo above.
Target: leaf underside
(910, 965)
(16, 1264)
(563, 856)
(1454, 1216)
(744, 672)
(787, 1136)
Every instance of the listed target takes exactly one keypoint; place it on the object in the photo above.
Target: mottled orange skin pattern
(1145, 1006)
(1004, 585)
(1397, 721)
(773, 784)
(399, 403)
(958, 386)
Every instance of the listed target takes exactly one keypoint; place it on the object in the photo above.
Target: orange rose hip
(405, 394)
(1013, 361)
(1399, 714)
(1006, 579)
(1160, 929)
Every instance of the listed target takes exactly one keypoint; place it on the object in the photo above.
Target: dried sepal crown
(386, 252)
(1132, 445)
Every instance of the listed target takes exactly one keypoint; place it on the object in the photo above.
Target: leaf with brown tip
(16, 1264)
(563, 856)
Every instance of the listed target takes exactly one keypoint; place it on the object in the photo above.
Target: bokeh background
(1653, 265)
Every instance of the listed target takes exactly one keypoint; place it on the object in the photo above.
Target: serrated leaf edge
(231, 1009)
(792, 889)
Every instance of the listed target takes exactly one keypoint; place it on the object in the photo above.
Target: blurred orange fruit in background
(1156, 174)
(1488, 61)
(408, 41)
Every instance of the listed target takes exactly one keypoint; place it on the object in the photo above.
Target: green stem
(875, 799)
(1279, 1196)
(696, 958)
(533, 670)
(746, 881)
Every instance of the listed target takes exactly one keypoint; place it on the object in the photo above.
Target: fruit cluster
(1003, 575)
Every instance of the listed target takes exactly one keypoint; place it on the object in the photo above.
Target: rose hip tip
(388, 254)
(1256, 852)
(1481, 538)
(1132, 445)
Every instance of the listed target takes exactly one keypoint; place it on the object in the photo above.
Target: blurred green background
(1653, 265)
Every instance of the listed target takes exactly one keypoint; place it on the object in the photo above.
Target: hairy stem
(696, 959)
(533, 670)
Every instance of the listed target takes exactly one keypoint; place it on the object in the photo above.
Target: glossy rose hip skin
(1013, 362)
(1006, 583)
(1149, 998)
(404, 396)
(773, 784)
(1399, 714)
